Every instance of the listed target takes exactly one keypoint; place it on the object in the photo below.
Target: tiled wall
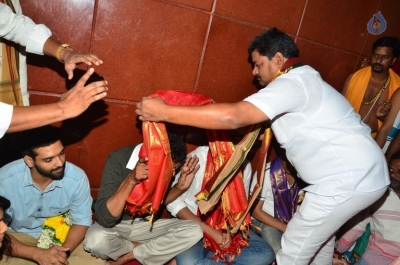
(192, 45)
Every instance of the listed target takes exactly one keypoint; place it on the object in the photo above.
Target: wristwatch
(59, 49)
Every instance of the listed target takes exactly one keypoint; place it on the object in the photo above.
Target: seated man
(278, 200)
(383, 216)
(115, 235)
(373, 85)
(185, 207)
(43, 185)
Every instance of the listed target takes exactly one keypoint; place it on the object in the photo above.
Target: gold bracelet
(59, 49)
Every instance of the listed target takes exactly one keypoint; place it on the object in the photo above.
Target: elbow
(232, 121)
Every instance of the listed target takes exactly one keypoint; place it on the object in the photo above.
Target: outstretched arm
(70, 57)
(211, 116)
(223, 239)
(71, 104)
(37, 39)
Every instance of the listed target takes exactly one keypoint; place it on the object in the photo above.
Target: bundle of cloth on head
(146, 197)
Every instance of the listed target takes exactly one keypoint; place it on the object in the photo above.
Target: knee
(96, 240)
(196, 232)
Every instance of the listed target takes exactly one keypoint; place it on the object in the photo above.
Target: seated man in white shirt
(185, 207)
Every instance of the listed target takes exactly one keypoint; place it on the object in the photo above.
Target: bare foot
(122, 260)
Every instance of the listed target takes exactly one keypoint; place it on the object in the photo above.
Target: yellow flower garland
(54, 230)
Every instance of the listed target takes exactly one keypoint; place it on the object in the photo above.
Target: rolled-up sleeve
(22, 30)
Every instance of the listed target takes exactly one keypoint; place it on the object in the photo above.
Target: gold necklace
(376, 80)
(379, 93)
(375, 100)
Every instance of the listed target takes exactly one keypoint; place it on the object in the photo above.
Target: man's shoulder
(122, 155)
(73, 171)
(12, 169)
(363, 71)
(125, 151)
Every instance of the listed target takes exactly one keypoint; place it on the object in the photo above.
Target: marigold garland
(55, 230)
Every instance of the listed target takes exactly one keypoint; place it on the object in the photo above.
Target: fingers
(94, 91)
(85, 77)
(190, 163)
(73, 58)
(226, 239)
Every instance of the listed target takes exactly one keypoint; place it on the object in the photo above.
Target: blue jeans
(257, 253)
(271, 235)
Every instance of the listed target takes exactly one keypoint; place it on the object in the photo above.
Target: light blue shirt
(30, 206)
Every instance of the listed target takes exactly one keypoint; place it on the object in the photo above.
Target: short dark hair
(38, 137)
(395, 156)
(178, 147)
(272, 41)
(6, 246)
(387, 41)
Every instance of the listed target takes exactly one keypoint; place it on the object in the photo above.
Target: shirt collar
(29, 182)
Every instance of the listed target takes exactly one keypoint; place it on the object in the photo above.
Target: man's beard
(51, 174)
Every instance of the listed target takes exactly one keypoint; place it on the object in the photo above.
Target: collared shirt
(22, 30)
(30, 206)
(324, 138)
(6, 112)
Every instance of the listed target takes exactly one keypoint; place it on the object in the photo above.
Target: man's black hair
(178, 147)
(272, 41)
(38, 137)
(395, 156)
(387, 41)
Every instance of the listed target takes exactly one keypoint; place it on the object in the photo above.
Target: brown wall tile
(198, 46)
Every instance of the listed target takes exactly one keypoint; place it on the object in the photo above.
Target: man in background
(372, 86)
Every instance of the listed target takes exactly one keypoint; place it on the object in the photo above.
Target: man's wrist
(60, 52)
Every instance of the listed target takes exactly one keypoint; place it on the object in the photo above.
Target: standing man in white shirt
(323, 137)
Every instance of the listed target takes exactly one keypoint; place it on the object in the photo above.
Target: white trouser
(309, 236)
(166, 239)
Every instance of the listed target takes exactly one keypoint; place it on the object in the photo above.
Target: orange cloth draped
(231, 212)
(146, 197)
(233, 199)
(358, 85)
